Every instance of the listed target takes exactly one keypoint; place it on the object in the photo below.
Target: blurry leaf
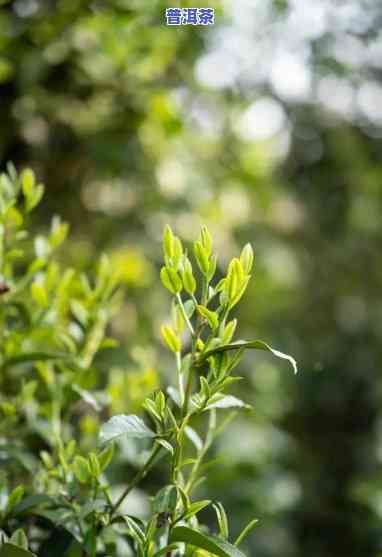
(39, 294)
(87, 397)
(81, 469)
(19, 538)
(225, 401)
(15, 497)
(222, 520)
(254, 344)
(165, 500)
(11, 550)
(35, 357)
(165, 550)
(31, 502)
(122, 425)
(194, 437)
(247, 530)
(195, 508)
(212, 544)
(166, 445)
(106, 456)
(28, 182)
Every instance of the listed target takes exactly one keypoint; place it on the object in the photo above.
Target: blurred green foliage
(131, 124)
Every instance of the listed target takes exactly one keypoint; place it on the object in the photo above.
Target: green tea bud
(171, 339)
(246, 258)
(171, 280)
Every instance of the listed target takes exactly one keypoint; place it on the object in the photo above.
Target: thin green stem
(180, 377)
(185, 316)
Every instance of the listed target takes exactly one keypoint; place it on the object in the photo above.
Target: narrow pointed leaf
(214, 545)
(250, 345)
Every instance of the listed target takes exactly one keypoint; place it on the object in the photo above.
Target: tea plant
(52, 325)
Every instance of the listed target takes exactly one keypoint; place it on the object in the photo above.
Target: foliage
(56, 492)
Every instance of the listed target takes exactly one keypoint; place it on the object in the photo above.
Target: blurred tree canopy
(267, 127)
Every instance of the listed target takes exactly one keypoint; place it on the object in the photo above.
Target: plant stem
(188, 390)
(185, 316)
(137, 478)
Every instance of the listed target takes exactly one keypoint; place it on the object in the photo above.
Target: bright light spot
(264, 119)
(290, 77)
(336, 94)
(217, 70)
(370, 101)
(171, 177)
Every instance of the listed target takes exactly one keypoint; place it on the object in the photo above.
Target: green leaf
(15, 497)
(222, 519)
(168, 242)
(225, 401)
(11, 550)
(210, 316)
(229, 331)
(28, 182)
(122, 425)
(28, 357)
(105, 456)
(81, 469)
(31, 502)
(165, 500)
(171, 339)
(249, 345)
(246, 258)
(39, 294)
(201, 257)
(195, 508)
(19, 538)
(214, 545)
(165, 550)
(247, 530)
(188, 278)
(171, 280)
(206, 239)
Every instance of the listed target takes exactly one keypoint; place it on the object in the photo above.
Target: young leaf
(122, 425)
(206, 239)
(247, 530)
(168, 242)
(246, 258)
(188, 278)
(252, 344)
(210, 316)
(225, 401)
(214, 545)
(81, 469)
(15, 497)
(229, 331)
(171, 339)
(165, 500)
(222, 519)
(171, 280)
(195, 508)
(201, 257)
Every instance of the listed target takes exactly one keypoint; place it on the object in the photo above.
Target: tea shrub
(56, 493)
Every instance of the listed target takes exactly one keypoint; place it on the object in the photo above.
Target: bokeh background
(268, 128)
